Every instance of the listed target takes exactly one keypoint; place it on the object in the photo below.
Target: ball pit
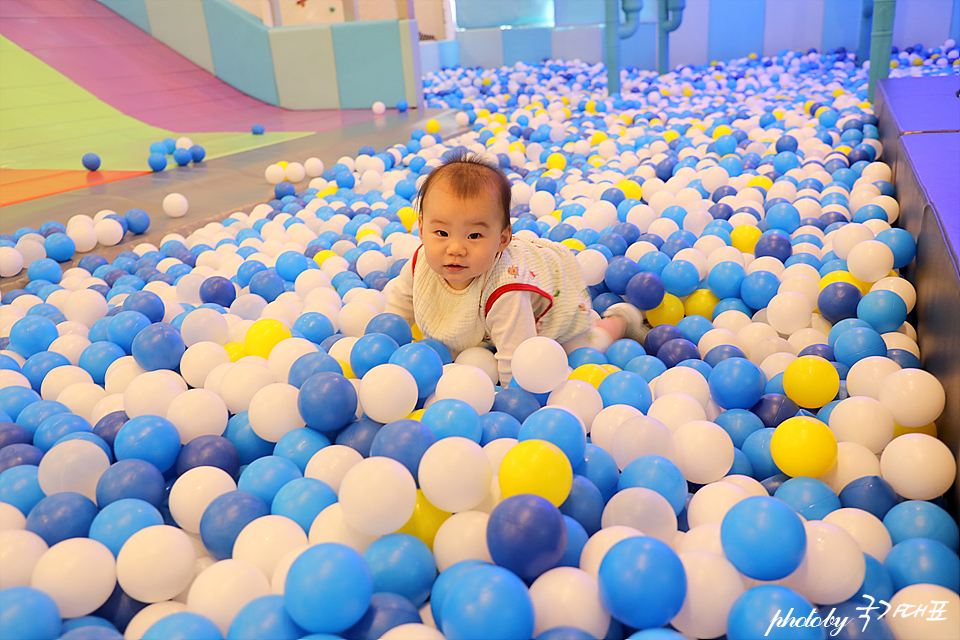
(318, 448)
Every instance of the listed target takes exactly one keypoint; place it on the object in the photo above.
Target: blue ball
(328, 588)
(403, 565)
(29, 614)
(810, 497)
(675, 351)
(451, 417)
(680, 278)
(885, 311)
(13, 400)
(739, 424)
(657, 474)
(131, 478)
(302, 500)
(182, 157)
(61, 516)
(774, 245)
(248, 444)
(642, 582)
(157, 162)
(496, 424)
(923, 561)
(314, 326)
(444, 583)
(218, 290)
(599, 467)
(758, 288)
(516, 402)
(45, 269)
(59, 247)
(310, 364)
(299, 445)
(197, 153)
(902, 244)
(921, 519)
(659, 335)
(267, 284)
(32, 334)
(488, 602)
(392, 325)
(265, 476)
(138, 221)
(119, 520)
(853, 345)
(372, 350)
(55, 427)
(626, 387)
(149, 438)
(19, 485)
(622, 352)
(647, 367)
(359, 435)
(108, 426)
(619, 273)
(257, 129)
(124, 327)
(576, 539)
(527, 535)
(264, 617)
(722, 352)
(91, 161)
(225, 518)
(159, 346)
(736, 383)
(559, 427)
(402, 106)
(37, 366)
(753, 613)
(584, 505)
(327, 401)
(763, 538)
(870, 493)
(183, 624)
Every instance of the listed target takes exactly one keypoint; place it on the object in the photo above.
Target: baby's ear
(505, 237)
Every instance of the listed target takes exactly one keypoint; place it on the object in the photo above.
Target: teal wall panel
(574, 12)
(304, 67)
(736, 28)
(578, 43)
(133, 10)
(640, 49)
(241, 50)
(449, 53)
(430, 56)
(481, 47)
(369, 64)
(480, 14)
(531, 44)
(181, 25)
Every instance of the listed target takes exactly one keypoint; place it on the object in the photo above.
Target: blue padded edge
(430, 56)
(241, 50)
(792, 24)
(133, 10)
(531, 44)
(955, 21)
(305, 52)
(841, 24)
(736, 28)
(449, 53)
(640, 49)
(582, 43)
(180, 24)
(481, 48)
(369, 64)
(577, 12)
(481, 14)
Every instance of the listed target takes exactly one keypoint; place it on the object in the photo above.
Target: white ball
(184, 143)
(204, 325)
(713, 585)
(704, 451)
(606, 422)
(354, 317)
(156, 563)
(462, 536)
(377, 495)
(150, 615)
(641, 436)
(862, 420)
(870, 261)
(684, 380)
(455, 474)
(867, 529)
(20, 550)
(853, 461)
(914, 397)
(198, 412)
(11, 262)
(379, 108)
(73, 465)
(193, 492)
(78, 573)
(314, 167)
(175, 205)
(274, 174)
(580, 397)
(413, 630)
(600, 543)
(833, 566)
(642, 509)
(266, 540)
(331, 464)
(711, 503)
(330, 526)
(150, 393)
(295, 172)
(469, 384)
(593, 265)
(241, 382)
(918, 466)
(788, 312)
(109, 232)
(568, 597)
(224, 588)
(273, 411)
(940, 626)
(200, 359)
(676, 409)
(388, 392)
(865, 375)
(539, 365)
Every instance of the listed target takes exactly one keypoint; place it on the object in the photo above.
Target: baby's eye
(475, 236)
(441, 233)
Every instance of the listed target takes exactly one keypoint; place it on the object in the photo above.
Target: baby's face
(461, 238)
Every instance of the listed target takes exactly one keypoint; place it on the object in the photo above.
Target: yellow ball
(760, 181)
(264, 335)
(328, 191)
(499, 117)
(721, 130)
(322, 256)
(347, 371)
(483, 113)
(845, 276)
(745, 238)
(927, 430)
(235, 350)
(670, 311)
(598, 137)
(283, 163)
(593, 374)
(556, 161)
(425, 521)
(574, 244)
(366, 232)
(432, 125)
(417, 334)
(610, 368)
(408, 217)
(487, 82)
(595, 161)
(811, 381)
(538, 467)
(670, 135)
(803, 446)
(591, 106)
(630, 189)
(700, 303)
(416, 415)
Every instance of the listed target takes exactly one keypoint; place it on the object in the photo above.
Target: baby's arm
(510, 321)
(400, 294)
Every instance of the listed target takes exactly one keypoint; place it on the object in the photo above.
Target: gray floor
(215, 189)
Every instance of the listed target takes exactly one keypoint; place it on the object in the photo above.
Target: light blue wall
(133, 10)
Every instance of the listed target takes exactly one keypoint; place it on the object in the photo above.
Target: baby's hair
(469, 175)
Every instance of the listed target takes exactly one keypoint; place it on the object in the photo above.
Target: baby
(472, 281)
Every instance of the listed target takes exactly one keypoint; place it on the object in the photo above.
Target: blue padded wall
(838, 16)
(449, 53)
(531, 44)
(133, 10)
(479, 14)
(640, 49)
(481, 47)
(736, 28)
(369, 65)
(241, 50)
(578, 43)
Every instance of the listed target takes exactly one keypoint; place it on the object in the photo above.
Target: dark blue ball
(182, 157)
(675, 351)
(91, 161)
(209, 451)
